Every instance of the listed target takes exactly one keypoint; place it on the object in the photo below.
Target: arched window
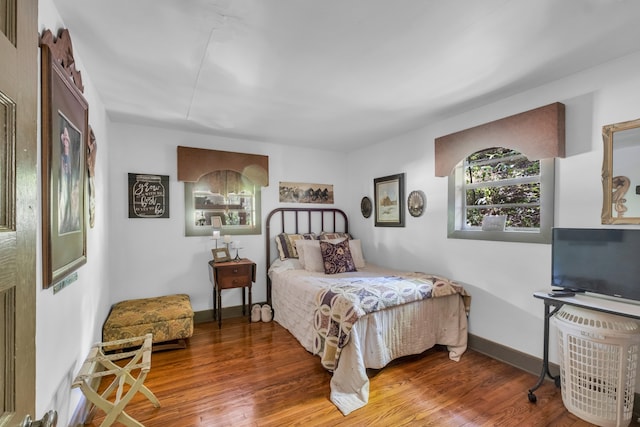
(224, 197)
(222, 190)
(502, 187)
(499, 194)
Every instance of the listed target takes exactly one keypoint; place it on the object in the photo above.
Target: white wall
(68, 322)
(130, 258)
(153, 256)
(500, 276)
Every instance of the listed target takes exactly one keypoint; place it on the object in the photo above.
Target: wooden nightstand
(229, 275)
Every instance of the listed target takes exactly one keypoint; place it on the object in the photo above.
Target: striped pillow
(286, 244)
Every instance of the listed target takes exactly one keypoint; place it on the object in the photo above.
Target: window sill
(502, 236)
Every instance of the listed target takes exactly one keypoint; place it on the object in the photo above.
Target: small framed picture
(216, 221)
(221, 255)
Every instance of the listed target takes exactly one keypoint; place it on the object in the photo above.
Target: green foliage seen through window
(500, 181)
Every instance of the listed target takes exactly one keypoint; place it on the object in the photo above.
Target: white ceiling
(339, 74)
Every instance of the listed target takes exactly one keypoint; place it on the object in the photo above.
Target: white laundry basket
(598, 359)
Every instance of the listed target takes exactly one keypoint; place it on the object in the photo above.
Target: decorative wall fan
(416, 203)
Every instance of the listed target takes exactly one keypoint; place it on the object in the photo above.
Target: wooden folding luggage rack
(93, 368)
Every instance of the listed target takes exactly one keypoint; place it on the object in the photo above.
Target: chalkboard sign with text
(148, 196)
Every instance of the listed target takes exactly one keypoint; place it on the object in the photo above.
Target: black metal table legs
(545, 356)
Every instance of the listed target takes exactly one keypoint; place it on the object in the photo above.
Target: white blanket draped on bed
(376, 338)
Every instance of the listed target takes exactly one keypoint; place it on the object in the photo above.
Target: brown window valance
(194, 163)
(538, 134)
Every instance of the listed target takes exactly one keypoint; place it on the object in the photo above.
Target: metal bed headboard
(300, 221)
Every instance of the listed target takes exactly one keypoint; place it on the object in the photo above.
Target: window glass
(500, 184)
(224, 200)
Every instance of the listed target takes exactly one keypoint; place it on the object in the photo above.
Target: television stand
(589, 301)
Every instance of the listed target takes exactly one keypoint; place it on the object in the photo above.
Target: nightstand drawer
(228, 275)
(234, 276)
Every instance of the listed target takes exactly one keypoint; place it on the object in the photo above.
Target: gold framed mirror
(620, 173)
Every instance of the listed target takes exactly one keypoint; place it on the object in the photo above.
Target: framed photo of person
(65, 137)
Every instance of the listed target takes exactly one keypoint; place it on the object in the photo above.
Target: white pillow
(356, 253)
(300, 250)
(287, 264)
(311, 258)
(310, 255)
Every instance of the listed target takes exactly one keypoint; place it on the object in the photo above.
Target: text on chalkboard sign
(148, 196)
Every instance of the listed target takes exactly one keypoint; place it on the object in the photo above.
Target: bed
(360, 316)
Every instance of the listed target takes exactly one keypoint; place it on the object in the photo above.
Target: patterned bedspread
(340, 305)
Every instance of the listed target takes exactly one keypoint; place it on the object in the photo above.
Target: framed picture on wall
(299, 192)
(148, 195)
(389, 201)
(65, 135)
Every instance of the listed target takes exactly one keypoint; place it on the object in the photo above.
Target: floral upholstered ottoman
(169, 318)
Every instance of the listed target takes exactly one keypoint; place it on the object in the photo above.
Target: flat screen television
(603, 261)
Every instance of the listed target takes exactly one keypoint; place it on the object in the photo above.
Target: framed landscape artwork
(389, 201)
(299, 192)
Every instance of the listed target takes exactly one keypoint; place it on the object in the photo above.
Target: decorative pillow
(311, 258)
(332, 236)
(356, 253)
(286, 246)
(309, 255)
(336, 257)
(300, 249)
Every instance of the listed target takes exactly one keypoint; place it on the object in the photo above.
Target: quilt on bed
(376, 338)
(343, 302)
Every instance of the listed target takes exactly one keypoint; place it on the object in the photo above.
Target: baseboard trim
(82, 415)
(523, 361)
(508, 355)
(203, 316)
(227, 313)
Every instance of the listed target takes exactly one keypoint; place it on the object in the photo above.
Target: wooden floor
(258, 375)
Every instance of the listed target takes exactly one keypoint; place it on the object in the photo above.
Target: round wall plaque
(365, 207)
(416, 203)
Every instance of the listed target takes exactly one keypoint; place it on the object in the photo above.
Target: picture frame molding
(394, 185)
(221, 255)
(62, 101)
